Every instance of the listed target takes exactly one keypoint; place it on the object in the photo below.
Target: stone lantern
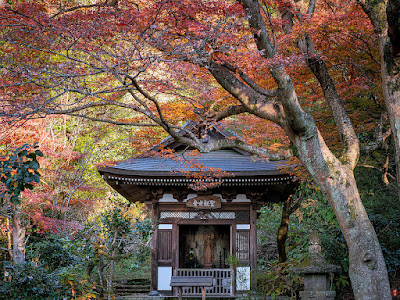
(316, 272)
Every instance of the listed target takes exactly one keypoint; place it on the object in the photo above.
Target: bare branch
(229, 144)
(5, 215)
(230, 111)
(374, 12)
(317, 65)
(262, 152)
(251, 83)
(267, 13)
(250, 99)
(152, 99)
(101, 4)
(256, 22)
(311, 7)
(110, 121)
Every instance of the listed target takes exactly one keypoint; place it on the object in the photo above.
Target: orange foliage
(150, 59)
(47, 201)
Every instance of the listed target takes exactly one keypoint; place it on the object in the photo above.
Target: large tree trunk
(367, 269)
(368, 274)
(334, 176)
(19, 233)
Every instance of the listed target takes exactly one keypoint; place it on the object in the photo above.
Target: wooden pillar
(154, 247)
(175, 252)
(175, 247)
(233, 253)
(233, 240)
(253, 246)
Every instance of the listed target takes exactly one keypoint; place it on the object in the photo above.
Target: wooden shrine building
(199, 232)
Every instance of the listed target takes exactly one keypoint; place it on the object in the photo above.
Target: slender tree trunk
(283, 231)
(367, 269)
(9, 239)
(102, 280)
(19, 233)
(110, 279)
(289, 206)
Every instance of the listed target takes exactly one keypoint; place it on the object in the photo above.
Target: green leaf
(32, 156)
(34, 165)
(29, 186)
(35, 178)
(8, 181)
(273, 295)
(14, 199)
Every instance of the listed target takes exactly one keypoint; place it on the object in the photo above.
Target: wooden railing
(222, 282)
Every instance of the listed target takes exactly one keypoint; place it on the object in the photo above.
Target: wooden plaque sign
(204, 202)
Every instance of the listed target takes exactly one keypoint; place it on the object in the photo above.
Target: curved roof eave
(134, 173)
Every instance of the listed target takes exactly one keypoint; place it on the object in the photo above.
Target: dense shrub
(28, 281)
(277, 279)
(53, 251)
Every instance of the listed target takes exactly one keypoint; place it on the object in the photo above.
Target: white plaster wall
(189, 196)
(164, 278)
(167, 198)
(243, 226)
(165, 226)
(241, 198)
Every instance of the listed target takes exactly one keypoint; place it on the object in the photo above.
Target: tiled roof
(234, 161)
(224, 160)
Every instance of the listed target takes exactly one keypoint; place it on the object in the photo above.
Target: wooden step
(132, 286)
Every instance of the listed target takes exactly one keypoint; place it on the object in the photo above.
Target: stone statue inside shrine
(208, 249)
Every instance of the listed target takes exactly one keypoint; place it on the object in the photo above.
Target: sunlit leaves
(18, 172)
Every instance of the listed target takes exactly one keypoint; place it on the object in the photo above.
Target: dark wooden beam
(154, 248)
(253, 246)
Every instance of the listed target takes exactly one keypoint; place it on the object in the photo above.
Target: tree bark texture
(9, 238)
(19, 233)
(367, 269)
(288, 207)
(339, 185)
(283, 231)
